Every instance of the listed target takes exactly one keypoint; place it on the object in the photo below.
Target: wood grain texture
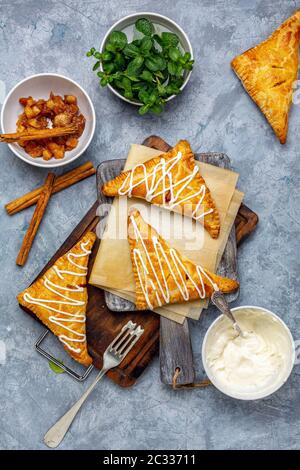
(246, 220)
(175, 351)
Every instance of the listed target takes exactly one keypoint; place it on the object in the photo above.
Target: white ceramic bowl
(161, 23)
(40, 86)
(282, 376)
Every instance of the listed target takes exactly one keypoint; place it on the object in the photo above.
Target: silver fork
(112, 357)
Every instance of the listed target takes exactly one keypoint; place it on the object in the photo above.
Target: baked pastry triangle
(173, 181)
(59, 298)
(162, 274)
(268, 72)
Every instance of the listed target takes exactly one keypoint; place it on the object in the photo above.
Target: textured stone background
(214, 114)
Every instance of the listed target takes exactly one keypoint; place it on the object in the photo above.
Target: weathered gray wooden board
(175, 351)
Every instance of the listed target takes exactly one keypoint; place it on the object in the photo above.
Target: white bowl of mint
(145, 59)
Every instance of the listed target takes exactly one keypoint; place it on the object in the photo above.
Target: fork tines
(126, 339)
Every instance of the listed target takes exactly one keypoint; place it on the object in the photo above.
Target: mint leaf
(117, 40)
(144, 26)
(55, 368)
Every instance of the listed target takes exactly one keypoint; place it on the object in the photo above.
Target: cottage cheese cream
(251, 364)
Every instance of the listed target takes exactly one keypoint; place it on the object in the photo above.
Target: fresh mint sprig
(148, 70)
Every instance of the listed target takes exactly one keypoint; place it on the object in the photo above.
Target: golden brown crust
(182, 169)
(268, 72)
(38, 291)
(154, 274)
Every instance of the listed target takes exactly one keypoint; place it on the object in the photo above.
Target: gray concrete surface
(214, 114)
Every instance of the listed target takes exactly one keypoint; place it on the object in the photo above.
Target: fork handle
(58, 431)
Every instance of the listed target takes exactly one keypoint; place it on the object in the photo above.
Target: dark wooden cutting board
(103, 324)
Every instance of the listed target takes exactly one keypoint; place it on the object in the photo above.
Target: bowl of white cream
(253, 366)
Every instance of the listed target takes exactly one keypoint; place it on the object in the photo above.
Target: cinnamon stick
(36, 220)
(61, 182)
(37, 134)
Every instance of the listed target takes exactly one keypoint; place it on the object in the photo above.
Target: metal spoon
(219, 300)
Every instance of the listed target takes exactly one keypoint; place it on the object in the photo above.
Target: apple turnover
(59, 298)
(173, 181)
(268, 72)
(163, 275)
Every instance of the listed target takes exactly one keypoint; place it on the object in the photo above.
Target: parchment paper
(112, 269)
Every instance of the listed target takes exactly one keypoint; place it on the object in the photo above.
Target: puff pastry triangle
(162, 274)
(268, 72)
(173, 181)
(59, 298)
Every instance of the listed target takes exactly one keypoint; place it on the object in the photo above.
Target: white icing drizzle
(165, 168)
(163, 290)
(66, 317)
